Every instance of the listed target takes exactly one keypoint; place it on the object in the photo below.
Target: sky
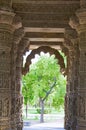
(35, 59)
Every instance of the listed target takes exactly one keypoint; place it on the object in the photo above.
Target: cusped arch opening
(45, 49)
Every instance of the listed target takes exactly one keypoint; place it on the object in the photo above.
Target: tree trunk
(26, 110)
(42, 111)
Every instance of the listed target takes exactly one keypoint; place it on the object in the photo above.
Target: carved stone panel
(4, 106)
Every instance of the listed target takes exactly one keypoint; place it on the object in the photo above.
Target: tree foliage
(38, 81)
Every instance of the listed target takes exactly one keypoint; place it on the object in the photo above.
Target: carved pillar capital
(70, 38)
(18, 35)
(74, 22)
(81, 14)
(78, 21)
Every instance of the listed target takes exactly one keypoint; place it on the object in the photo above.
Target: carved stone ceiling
(45, 21)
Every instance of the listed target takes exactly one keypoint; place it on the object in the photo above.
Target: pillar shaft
(81, 29)
(11, 54)
(72, 82)
(80, 26)
(16, 97)
(6, 31)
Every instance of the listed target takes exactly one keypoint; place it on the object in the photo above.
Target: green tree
(44, 79)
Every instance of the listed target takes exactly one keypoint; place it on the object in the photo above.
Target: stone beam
(44, 35)
(44, 30)
(56, 45)
(46, 39)
(45, 14)
(45, 23)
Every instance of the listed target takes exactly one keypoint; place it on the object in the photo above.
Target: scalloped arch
(44, 49)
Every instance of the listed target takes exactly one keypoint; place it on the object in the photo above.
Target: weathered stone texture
(13, 43)
(71, 42)
(81, 98)
(10, 97)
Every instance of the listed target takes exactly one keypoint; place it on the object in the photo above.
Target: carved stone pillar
(66, 52)
(81, 29)
(6, 37)
(19, 64)
(80, 26)
(16, 102)
(12, 45)
(72, 83)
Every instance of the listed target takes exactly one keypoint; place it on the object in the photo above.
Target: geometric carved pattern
(6, 107)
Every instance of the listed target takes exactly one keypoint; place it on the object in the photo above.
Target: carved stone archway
(45, 49)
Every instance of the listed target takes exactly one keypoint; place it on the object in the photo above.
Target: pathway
(45, 126)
